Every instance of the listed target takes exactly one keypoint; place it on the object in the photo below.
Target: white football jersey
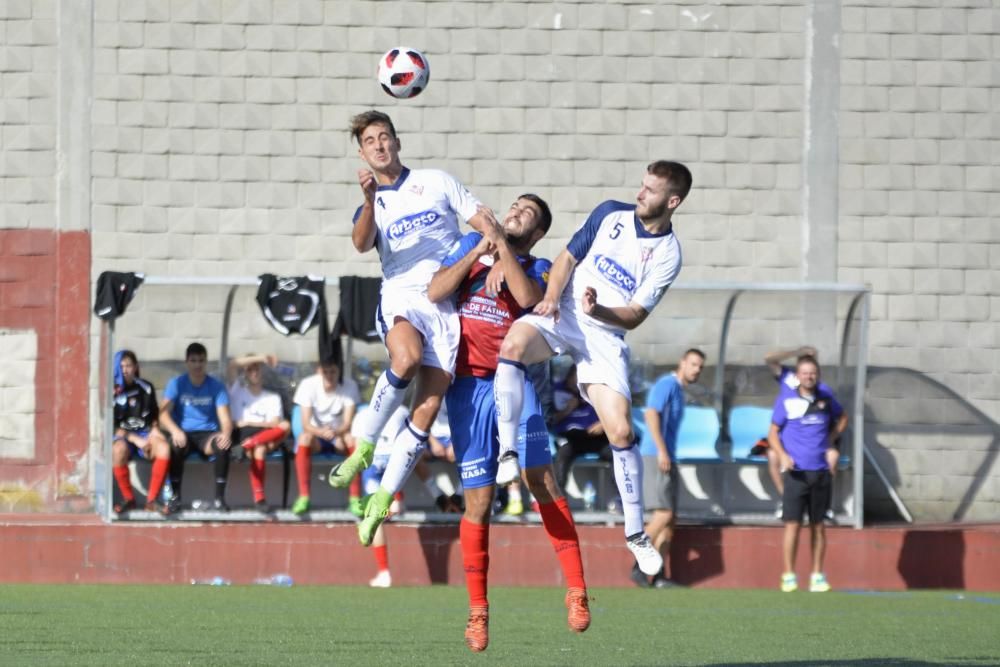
(621, 260)
(418, 225)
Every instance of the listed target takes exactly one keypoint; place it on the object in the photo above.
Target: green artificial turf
(261, 625)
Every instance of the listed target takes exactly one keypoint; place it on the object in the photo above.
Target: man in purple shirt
(803, 426)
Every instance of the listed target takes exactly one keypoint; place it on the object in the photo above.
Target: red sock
(124, 485)
(257, 467)
(381, 557)
(475, 541)
(303, 469)
(264, 437)
(561, 530)
(160, 468)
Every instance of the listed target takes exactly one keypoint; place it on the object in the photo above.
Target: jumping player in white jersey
(412, 218)
(617, 267)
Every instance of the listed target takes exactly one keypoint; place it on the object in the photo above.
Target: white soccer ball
(403, 72)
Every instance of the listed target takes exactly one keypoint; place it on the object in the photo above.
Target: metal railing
(859, 307)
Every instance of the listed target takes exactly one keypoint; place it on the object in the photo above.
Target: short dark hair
(675, 173)
(195, 349)
(361, 122)
(806, 359)
(546, 220)
(694, 350)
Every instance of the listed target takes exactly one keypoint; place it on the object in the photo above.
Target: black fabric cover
(114, 292)
(292, 305)
(359, 299)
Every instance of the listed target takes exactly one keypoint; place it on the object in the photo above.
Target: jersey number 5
(616, 231)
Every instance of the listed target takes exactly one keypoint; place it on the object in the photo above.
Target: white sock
(514, 492)
(386, 397)
(508, 391)
(406, 451)
(628, 475)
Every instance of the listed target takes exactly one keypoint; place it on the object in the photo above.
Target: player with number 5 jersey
(616, 268)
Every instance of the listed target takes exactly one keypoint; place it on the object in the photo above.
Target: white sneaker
(649, 559)
(381, 580)
(508, 470)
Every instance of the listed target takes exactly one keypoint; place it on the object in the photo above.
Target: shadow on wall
(936, 449)
(915, 425)
(695, 555)
(933, 559)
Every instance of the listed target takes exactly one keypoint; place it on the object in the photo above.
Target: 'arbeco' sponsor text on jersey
(411, 223)
(615, 273)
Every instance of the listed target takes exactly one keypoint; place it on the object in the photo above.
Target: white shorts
(437, 323)
(600, 356)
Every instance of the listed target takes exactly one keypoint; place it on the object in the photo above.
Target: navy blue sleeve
(468, 242)
(357, 214)
(539, 271)
(584, 237)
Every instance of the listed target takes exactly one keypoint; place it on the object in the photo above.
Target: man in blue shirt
(195, 412)
(663, 414)
(804, 425)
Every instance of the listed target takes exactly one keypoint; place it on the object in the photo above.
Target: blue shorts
(137, 451)
(472, 413)
(325, 447)
(371, 477)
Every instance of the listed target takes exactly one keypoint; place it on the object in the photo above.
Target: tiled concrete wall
(219, 147)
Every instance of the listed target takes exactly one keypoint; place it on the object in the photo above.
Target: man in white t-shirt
(327, 408)
(258, 416)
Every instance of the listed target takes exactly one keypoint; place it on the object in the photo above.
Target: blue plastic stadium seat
(747, 425)
(698, 434)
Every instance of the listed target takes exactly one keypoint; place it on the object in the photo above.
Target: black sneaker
(219, 505)
(125, 506)
(261, 506)
(452, 504)
(659, 581)
(638, 578)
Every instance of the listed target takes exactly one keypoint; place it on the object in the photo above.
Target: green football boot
(342, 474)
(375, 513)
(300, 506)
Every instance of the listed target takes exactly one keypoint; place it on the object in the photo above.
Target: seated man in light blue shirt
(195, 412)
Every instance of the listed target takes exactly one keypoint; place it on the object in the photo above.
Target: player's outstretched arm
(775, 358)
(627, 317)
(450, 275)
(559, 276)
(525, 290)
(363, 234)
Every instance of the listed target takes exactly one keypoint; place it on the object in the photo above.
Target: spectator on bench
(663, 414)
(259, 416)
(788, 384)
(137, 433)
(577, 422)
(326, 408)
(195, 412)
(803, 427)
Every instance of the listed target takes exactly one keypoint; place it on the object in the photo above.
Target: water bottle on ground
(214, 581)
(282, 580)
(589, 496)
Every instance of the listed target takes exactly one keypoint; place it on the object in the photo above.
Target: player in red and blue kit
(611, 275)
(497, 280)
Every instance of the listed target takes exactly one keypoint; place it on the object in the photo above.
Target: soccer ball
(403, 72)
